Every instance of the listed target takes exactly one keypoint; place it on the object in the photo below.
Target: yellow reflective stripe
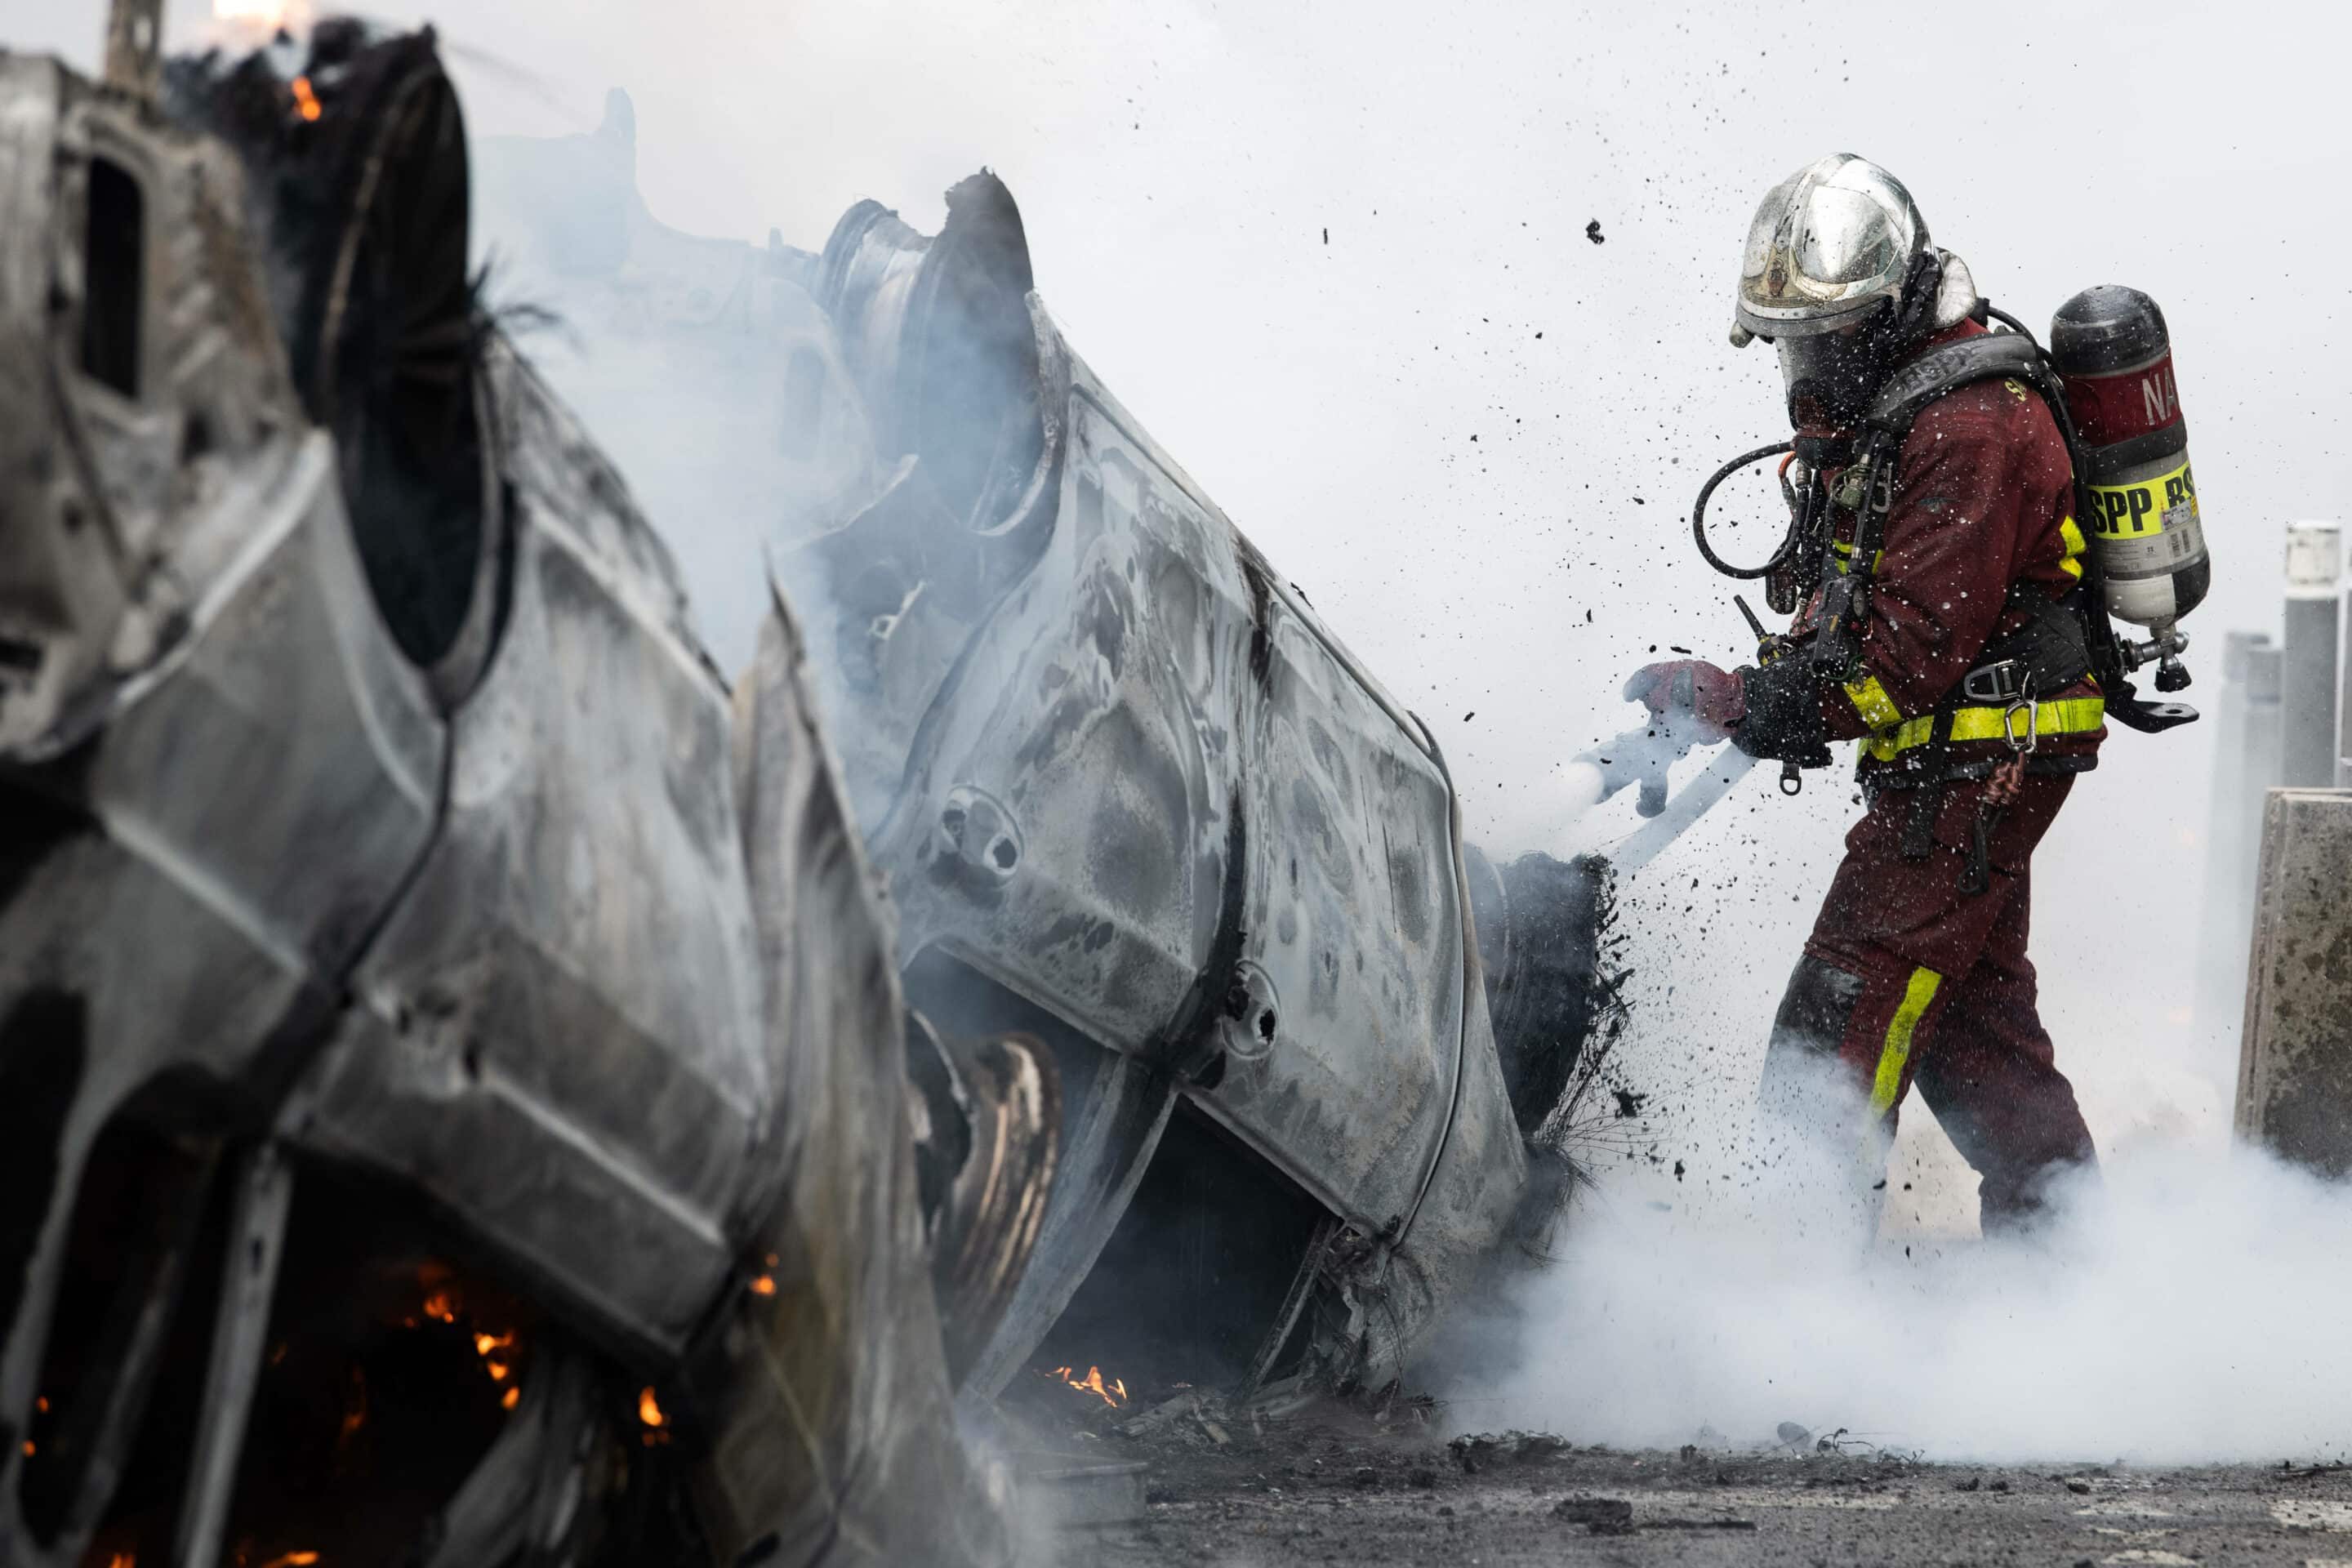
(1870, 700)
(1897, 1050)
(1844, 551)
(2073, 536)
(2067, 716)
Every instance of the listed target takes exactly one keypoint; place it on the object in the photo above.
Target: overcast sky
(1178, 165)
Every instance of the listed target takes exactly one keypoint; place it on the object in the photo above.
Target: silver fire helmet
(1828, 243)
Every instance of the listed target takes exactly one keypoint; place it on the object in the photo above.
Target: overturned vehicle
(1135, 799)
(466, 1098)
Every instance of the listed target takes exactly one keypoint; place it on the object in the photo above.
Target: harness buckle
(1881, 488)
(2032, 725)
(2001, 681)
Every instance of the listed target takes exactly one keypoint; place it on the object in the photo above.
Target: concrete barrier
(2294, 1065)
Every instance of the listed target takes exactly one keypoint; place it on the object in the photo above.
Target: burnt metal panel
(1343, 1059)
(559, 1031)
(1068, 811)
(824, 1395)
(1144, 701)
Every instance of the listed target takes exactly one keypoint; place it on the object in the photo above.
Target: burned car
(1132, 795)
(450, 1051)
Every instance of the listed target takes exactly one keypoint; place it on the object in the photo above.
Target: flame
(292, 1559)
(764, 1286)
(123, 1560)
(441, 1305)
(1113, 1393)
(356, 1407)
(306, 103)
(510, 1399)
(485, 1343)
(649, 1410)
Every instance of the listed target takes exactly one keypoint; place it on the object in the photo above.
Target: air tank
(2110, 345)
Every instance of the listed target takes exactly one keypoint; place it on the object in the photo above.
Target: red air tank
(2110, 345)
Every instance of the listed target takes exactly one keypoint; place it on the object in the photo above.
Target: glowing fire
(497, 1351)
(501, 1356)
(356, 1407)
(649, 1410)
(292, 1559)
(306, 103)
(1113, 1393)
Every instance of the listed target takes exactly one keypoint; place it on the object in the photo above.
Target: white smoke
(2185, 1307)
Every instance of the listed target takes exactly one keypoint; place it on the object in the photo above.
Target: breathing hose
(2011, 322)
(1698, 517)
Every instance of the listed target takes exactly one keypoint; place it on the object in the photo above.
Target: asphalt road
(1334, 1487)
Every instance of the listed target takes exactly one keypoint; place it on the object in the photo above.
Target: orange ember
(306, 103)
(355, 1407)
(764, 1286)
(510, 1399)
(649, 1410)
(292, 1559)
(1113, 1393)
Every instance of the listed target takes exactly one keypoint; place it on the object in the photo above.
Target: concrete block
(2294, 1065)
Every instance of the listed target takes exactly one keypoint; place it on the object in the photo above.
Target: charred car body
(448, 1040)
(466, 1099)
(1133, 796)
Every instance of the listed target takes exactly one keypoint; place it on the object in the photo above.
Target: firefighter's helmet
(1828, 245)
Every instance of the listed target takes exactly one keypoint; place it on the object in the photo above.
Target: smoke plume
(2177, 1310)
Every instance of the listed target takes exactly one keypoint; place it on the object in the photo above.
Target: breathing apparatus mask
(1831, 376)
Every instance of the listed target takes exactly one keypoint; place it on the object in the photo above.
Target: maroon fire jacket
(1983, 498)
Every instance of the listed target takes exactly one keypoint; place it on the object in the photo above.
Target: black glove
(1784, 720)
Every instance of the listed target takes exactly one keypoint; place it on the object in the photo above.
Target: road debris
(1484, 1450)
(1601, 1516)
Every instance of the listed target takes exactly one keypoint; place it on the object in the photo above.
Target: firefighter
(1968, 689)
